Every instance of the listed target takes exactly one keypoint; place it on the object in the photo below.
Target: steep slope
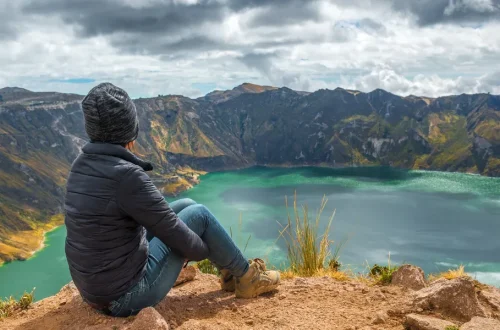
(41, 134)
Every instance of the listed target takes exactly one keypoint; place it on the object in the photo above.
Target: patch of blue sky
(74, 80)
(204, 88)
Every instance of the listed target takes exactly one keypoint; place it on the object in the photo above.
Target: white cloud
(353, 44)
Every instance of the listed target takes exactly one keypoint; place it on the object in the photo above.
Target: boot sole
(258, 292)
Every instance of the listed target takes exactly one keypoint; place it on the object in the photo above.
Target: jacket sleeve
(139, 198)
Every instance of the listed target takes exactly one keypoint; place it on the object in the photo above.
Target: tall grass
(308, 251)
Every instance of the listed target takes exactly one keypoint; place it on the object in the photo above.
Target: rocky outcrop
(454, 298)
(421, 322)
(481, 323)
(409, 276)
(491, 296)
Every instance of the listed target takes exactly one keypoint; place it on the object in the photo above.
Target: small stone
(190, 309)
(187, 274)
(421, 322)
(420, 310)
(381, 318)
(365, 290)
(62, 303)
(380, 295)
(281, 297)
(149, 319)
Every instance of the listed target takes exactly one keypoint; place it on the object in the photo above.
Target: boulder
(481, 323)
(421, 322)
(409, 276)
(149, 319)
(454, 298)
(187, 274)
(492, 297)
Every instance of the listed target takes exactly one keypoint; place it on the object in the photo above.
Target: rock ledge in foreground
(454, 298)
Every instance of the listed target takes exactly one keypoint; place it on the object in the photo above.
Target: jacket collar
(116, 151)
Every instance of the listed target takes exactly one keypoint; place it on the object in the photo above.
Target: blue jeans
(163, 265)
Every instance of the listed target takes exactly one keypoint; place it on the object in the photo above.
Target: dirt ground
(301, 303)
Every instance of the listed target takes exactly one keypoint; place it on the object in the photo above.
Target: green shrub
(383, 274)
(451, 327)
(206, 267)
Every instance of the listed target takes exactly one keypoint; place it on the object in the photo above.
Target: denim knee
(201, 212)
(186, 202)
(190, 201)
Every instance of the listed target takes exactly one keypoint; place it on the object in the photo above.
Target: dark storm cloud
(8, 19)
(428, 12)
(290, 12)
(98, 17)
(167, 27)
(259, 62)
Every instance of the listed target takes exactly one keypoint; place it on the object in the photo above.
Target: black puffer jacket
(110, 203)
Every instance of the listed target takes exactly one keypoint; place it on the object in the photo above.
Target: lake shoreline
(26, 244)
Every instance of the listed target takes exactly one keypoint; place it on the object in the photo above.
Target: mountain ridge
(42, 132)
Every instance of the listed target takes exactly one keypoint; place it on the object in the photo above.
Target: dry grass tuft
(450, 274)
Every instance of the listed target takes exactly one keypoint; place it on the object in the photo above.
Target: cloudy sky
(190, 47)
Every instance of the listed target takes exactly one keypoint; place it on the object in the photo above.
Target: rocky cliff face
(41, 134)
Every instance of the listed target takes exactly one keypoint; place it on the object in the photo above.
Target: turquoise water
(47, 270)
(435, 220)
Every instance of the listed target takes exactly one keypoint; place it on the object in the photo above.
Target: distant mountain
(218, 96)
(41, 134)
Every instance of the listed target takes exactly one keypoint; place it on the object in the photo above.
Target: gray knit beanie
(110, 115)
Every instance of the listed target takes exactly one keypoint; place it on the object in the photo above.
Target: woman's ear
(130, 145)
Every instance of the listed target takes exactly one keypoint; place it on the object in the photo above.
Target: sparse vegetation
(308, 252)
(206, 267)
(450, 274)
(452, 327)
(9, 306)
(383, 274)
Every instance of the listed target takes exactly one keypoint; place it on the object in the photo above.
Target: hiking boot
(227, 281)
(257, 280)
